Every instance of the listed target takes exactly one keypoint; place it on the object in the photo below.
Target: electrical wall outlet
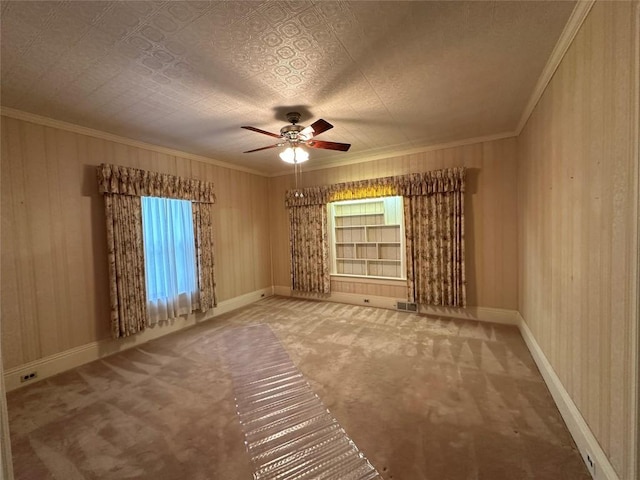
(28, 376)
(366, 300)
(591, 464)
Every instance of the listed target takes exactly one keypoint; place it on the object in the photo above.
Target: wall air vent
(407, 306)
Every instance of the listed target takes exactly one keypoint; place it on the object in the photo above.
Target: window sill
(342, 277)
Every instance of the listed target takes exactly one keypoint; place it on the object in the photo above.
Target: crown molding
(580, 12)
(387, 152)
(71, 127)
(390, 153)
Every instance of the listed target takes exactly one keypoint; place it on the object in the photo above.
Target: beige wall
(577, 219)
(490, 222)
(54, 272)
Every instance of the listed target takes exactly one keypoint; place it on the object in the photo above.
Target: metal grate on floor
(289, 434)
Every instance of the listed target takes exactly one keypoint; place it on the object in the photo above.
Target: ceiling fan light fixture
(294, 155)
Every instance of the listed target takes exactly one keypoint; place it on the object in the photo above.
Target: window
(170, 260)
(367, 237)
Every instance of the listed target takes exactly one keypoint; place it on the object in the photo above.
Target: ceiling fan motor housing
(291, 133)
(293, 117)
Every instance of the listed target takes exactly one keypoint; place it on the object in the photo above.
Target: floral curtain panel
(122, 188)
(126, 264)
(309, 249)
(434, 228)
(203, 231)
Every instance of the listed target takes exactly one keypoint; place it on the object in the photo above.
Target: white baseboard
(580, 431)
(359, 299)
(339, 297)
(483, 314)
(242, 300)
(74, 357)
(282, 291)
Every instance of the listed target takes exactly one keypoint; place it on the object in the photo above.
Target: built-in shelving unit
(368, 237)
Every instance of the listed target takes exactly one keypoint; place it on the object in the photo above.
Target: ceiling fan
(294, 136)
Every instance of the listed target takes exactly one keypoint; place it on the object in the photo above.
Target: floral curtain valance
(141, 183)
(414, 184)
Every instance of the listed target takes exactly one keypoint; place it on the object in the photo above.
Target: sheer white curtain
(170, 259)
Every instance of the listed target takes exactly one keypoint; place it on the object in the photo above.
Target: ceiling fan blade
(317, 127)
(263, 148)
(254, 129)
(343, 147)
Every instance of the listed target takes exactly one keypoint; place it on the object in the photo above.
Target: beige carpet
(422, 398)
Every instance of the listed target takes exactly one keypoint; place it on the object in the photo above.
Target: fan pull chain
(297, 172)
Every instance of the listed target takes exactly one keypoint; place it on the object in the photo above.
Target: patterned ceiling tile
(161, 79)
(272, 39)
(274, 13)
(201, 6)
(254, 25)
(311, 20)
(175, 47)
(181, 11)
(163, 56)
(187, 74)
(302, 43)
(165, 23)
(140, 43)
(152, 34)
(119, 22)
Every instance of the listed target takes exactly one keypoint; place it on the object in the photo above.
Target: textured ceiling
(186, 75)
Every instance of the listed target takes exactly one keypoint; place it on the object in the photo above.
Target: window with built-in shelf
(367, 238)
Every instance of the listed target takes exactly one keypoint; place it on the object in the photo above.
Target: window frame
(182, 240)
(333, 258)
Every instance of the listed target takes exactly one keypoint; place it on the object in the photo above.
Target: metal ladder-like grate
(289, 433)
